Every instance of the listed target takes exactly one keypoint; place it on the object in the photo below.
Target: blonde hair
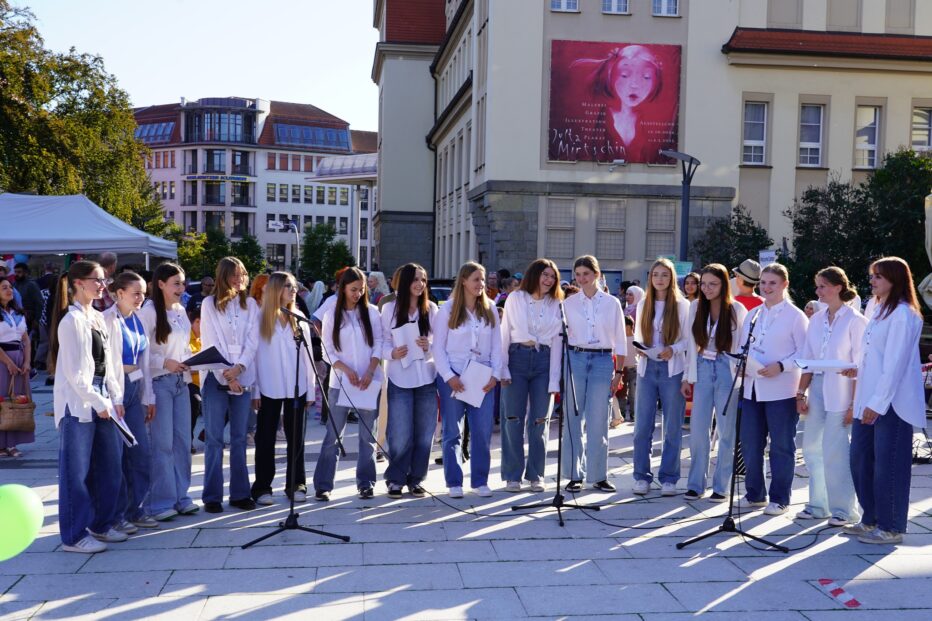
(223, 293)
(780, 270)
(670, 329)
(484, 307)
(272, 303)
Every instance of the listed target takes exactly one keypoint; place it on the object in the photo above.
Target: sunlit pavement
(437, 558)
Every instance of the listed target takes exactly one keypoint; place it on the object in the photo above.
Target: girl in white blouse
(834, 333)
(888, 403)
(778, 331)
(229, 322)
(274, 391)
(352, 340)
(87, 394)
(532, 349)
(412, 391)
(168, 331)
(661, 327)
(466, 331)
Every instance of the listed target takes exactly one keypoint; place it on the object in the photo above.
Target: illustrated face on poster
(613, 101)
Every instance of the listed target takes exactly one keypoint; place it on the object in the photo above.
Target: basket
(17, 416)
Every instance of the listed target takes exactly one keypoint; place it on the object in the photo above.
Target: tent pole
(147, 260)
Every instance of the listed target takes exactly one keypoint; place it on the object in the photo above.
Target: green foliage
(731, 240)
(250, 253)
(322, 255)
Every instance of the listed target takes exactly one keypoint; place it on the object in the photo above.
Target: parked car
(439, 290)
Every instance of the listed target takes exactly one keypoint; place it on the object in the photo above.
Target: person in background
(627, 396)
(491, 286)
(747, 276)
(194, 386)
(509, 286)
(15, 364)
(207, 288)
(383, 397)
(316, 296)
(31, 296)
(811, 308)
(108, 261)
(5, 275)
(691, 286)
(633, 297)
(378, 287)
(255, 292)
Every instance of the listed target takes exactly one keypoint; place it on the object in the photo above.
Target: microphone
(294, 315)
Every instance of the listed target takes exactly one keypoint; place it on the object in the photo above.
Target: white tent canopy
(66, 224)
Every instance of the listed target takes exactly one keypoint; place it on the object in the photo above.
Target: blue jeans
(452, 412)
(530, 378)
(712, 391)
(826, 448)
(657, 384)
(881, 463)
(592, 377)
(88, 477)
(217, 404)
(136, 459)
(326, 468)
(778, 419)
(412, 418)
(170, 436)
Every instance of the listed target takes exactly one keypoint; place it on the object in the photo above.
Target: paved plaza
(473, 558)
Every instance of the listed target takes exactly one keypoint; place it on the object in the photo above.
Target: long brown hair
(530, 283)
(63, 297)
(271, 305)
(723, 329)
(351, 275)
(837, 277)
(897, 271)
(223, 293)
(485, 310)
(162, 273)
(670, 330)
(402, 280)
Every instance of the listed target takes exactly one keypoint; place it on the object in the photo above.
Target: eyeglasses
(290, 287)
(101, 282)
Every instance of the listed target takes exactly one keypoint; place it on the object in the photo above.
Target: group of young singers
(129, 362)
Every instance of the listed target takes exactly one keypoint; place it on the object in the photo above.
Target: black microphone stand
(728, 525)
(299, 425)
(566, 376)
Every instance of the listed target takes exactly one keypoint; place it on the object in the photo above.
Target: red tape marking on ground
(838, 594)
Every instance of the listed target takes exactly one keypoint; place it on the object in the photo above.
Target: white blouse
(739, 312)
(595, 323)
(889, 371)
(354, 351)
(474, 340)
(176, 346)
(419, 372)
(275, 364)
(676, 364)
(113, 319)
(779, 336)
(234, 332)
(527, 320)
(12, 326)
(839, 341)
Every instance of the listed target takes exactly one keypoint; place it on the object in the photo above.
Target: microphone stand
(299, 426)
(728, 525)
(566, 376)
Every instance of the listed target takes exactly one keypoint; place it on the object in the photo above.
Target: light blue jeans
(326, 468)
(217, 403)
(452, 413)
(712, 391)
(170, 437)
(657, 384)
(826, 449)
(592, 377)
(530, 378)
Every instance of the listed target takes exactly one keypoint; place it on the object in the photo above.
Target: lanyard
(134, 334)
(474, 326)
(591, 309)
(766, 325)
(711, 329)
(232, 318)
(535, 319)
(826, 334)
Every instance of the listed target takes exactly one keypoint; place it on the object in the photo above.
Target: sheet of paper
(753, 366)
(351, 396)
(408, 334)
(208, 360)
(825, 365)
(474, 377)
(651, 352)
(125, 434)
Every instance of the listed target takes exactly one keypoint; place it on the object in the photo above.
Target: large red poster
(613, 101)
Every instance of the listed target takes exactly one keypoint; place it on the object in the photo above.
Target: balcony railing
(219, 201)
(214, 170)
(242, 202)
(188, 201)
(190, 169)
(243, 170)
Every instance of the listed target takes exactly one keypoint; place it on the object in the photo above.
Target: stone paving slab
(501, 603)
(598, 599)
(231, 581)
(303, 607)
(523, 574)
(750, 596)
(428, 552)
(42, 586)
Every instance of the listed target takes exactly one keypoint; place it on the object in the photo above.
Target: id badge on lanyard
(592, 311)
(234, 348)
(474, 327)
(135, 376)
(710, 354)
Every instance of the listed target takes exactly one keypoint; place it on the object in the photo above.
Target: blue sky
(308, 51)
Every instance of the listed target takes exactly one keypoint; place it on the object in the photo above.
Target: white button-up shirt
(176, 347)
(739, 312)
(275, 364)
(354, 351)
(527, 320)
(12, 326)
(235, 333)
(475, 340)
(676, 364)
(596, 323)
(839, 341)
(419, 372)
(779, 336)
(890, 372)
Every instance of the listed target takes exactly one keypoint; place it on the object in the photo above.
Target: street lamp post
(297, 248)
(689, 164)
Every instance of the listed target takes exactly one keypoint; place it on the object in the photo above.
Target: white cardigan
(692, 350)
(847, 332)
(112, 319)
(74, 368)
(676, 364)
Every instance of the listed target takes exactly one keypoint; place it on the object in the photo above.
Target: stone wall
(404, 237)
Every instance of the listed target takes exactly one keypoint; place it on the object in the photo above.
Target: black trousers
(266, 428)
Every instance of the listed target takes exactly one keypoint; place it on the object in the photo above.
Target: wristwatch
(801, 395)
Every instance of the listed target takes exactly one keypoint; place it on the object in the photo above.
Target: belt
(583, 350)
(531, 345)
(12, 346)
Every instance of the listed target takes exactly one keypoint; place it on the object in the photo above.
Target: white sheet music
(408, 334)
(474, 377)
(825, 365)
(125, 434)
(351, 396)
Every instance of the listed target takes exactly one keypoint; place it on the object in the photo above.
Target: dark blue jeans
(881, 465)
(452, 413)
(778, 419)
(412, 418)
(135, 487)
(530, 378)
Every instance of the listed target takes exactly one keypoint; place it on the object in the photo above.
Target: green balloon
(20, 519)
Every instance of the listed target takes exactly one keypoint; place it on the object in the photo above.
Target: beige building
(545, 147)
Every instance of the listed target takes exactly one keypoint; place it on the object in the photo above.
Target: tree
(731, 240)
(322, 255)
(250, 253)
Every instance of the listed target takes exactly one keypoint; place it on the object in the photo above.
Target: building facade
(548, 143)
(247, 166)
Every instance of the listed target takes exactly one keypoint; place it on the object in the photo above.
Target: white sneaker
(265, 500)
(513, 486)
(806, 514)
(775, 509)
(455, 492)
(300, 496)
(538, 486)
(167, 514)
(484, 491)
(127, 527)
(641, 487)
(838, 521)
(668, 489)
(881, 537)
(856, 530)
(87, 545)
(745, 502)
(111, 536)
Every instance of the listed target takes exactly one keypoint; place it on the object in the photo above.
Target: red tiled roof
(282, 110)
(166, 112)
(364, 142)
(415, 21)
(839, 44)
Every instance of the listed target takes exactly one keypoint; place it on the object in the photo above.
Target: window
(240, 224)
(164, 190)
(269, 219)
(296, 194)
(214, 193)
(810, 135)
(364, 228)
(610, 230)
(275, 255)
(561, 225)
(215, 161)
(332, 221)
(564, 5)
(755, 132)
(158, 159)
(344, 226)
(283, 161)
(171, 191)
(618, 7)
(308, 221)
(189, 219)
(241, 163)
(308, 194)
(283, 193)
(240, 194)
(318, 220)
(331, 196)
(295, 162)
(308, 163)
(867, 124)
(320, 195)
(364, 199)
(307, 136)
(271, 162)
(214, 220)
(344, 196)
(665, 7)
(661, 223)
(922, 129)
(173, 158)
(151, 133)
(270, 192)
(170, 216)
